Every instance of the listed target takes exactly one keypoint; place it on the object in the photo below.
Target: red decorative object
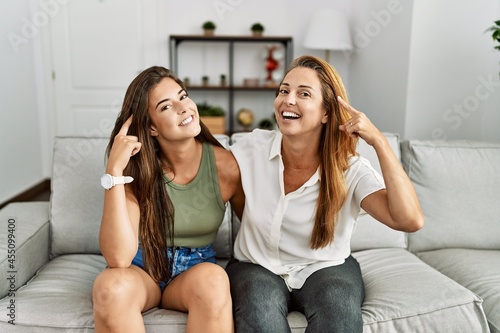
(271, 63)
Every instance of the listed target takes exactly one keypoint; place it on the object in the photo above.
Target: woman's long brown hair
(156, 225)
(335, 148)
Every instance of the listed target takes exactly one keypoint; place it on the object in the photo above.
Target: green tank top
(198, 205)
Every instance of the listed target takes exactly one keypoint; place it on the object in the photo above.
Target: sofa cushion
(477, 270)
(59, 299)
(403, 294)
(458, 186)
(77, 197)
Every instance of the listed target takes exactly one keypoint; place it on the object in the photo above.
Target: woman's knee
(258, 291)
(261, 299)
(209, 285)
(113, 287)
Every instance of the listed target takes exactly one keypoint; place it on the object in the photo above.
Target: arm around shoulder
(230, 180)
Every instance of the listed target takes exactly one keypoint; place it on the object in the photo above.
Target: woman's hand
(359, 125)
(124, 147)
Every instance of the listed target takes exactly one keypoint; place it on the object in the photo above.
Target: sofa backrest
(77, 197)
(458, 185)
(368, 233)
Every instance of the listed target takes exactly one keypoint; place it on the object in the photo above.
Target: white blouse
(276, 228)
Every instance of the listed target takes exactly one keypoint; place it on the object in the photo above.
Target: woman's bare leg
(203, 292)
(119, 296)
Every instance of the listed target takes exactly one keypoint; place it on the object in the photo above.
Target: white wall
(21, 138)
(379, 61)
(454, 86)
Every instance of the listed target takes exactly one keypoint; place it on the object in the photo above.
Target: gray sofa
(444, 278)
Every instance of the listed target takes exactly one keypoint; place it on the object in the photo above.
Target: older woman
(305, 186)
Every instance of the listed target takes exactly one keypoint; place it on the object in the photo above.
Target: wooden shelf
(227, 88)
(230, 38)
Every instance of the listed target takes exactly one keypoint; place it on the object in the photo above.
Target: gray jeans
(330, 299)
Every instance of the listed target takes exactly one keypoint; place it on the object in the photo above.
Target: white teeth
(288, 114)
(187, 121)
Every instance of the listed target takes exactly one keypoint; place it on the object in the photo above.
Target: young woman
(157, 230)
(305, 186)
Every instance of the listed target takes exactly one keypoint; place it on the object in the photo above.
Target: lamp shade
(328, 29)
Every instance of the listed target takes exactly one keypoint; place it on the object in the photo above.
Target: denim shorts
(183, 259)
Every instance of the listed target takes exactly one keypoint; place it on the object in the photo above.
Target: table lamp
(328, 29)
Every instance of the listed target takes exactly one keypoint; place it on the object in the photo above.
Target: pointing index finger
(125, 126)
(352, 111)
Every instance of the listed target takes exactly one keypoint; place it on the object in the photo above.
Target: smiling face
(174, 116)
(299, 105)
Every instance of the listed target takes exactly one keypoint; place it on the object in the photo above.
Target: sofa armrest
(24, 243)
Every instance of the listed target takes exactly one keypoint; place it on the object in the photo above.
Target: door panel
(98, 47)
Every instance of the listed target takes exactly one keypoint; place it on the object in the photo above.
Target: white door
(98, 47)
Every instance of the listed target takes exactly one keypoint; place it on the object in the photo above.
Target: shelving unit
(231, 88)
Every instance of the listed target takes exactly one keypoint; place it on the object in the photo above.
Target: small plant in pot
(205, 80)
(209, 28)
(223, 80)
(213, 117)
(257, 29)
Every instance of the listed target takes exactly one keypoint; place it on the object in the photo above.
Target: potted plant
(266, 124)
(257, 29)
(495, 34)
(204, 80)
(223, 81)
(213, 117)
(209, 28)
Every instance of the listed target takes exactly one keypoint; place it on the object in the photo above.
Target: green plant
(205, 80)
(209, 25)
(495, 34)
(266, 123)
(257, 27)
(223, 80)
(206, 110)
